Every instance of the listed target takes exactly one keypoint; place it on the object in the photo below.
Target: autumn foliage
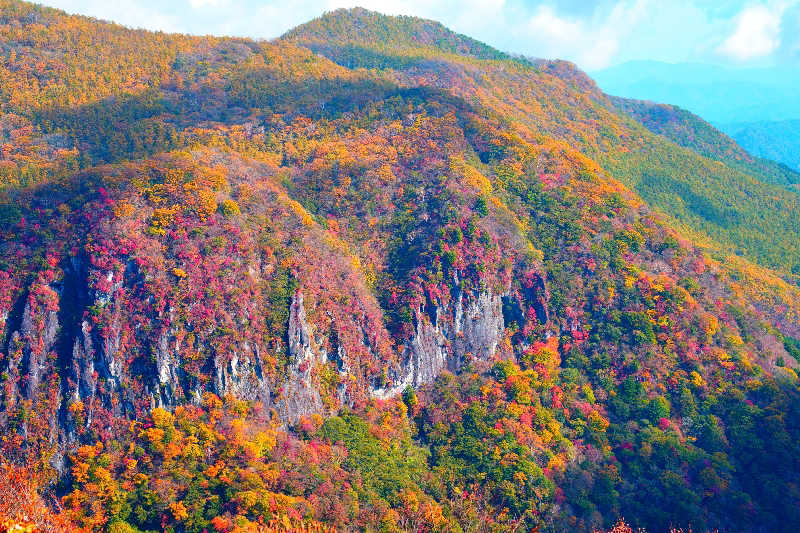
(378, 276)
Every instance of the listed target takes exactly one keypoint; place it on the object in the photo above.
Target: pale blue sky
(594, 34)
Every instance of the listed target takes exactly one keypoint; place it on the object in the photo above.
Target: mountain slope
(690, 131)
(727, 203)
(359, 30)
(243, 282)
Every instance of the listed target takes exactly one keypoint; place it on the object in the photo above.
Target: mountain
(779, 140)
(718, 94)
(363, 38)
(375, 275)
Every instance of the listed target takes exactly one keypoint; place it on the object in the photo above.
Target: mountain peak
(362, 28)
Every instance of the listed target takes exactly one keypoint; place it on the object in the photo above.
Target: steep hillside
(729, 203)
(375, 275)
(690, 131)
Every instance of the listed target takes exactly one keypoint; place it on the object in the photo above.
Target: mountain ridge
(362, 26)
(771, 140)
(691, 131)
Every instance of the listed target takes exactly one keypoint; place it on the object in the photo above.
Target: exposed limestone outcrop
(95, 363)
(300, 396)
(28, 350)
(37, 346)
(471, 326)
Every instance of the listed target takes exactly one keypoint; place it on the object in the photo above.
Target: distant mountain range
(778, 140)
(718, 94)
(759, 108)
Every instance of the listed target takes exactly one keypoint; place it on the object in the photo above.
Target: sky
(594, 34)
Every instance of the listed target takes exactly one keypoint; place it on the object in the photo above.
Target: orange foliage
(22, 509)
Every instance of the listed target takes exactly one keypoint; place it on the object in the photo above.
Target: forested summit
(365, 30)
(377, 276)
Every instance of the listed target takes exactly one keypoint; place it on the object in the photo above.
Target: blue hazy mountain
(758, 107)
(776, 140)
(718, 94)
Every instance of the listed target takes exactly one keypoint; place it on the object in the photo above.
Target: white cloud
(592, 43)
(199, 4)
(757, 34)
(125, 12)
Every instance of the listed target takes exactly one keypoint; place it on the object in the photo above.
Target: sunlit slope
(712, 187)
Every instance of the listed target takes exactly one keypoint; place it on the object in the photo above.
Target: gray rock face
(242, 375)
(239, 373)
(471, 326)
(168, 367)
(300, 396)
(29, 349)
(37, 357)
(83, 372)
(482, 326)
(14, 360)
(95, 363)
(428, 349)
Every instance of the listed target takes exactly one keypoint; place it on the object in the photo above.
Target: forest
(375, 275)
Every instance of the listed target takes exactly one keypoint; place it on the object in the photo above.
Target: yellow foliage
(432, 514)
(155, 436)
(734, 340)
(386, 175)
(712, 325)
(230, 208)
(76, 408)
(515, 410)
(161, 219)
(211, 401)
(173, 449)
(472, 176)
(123, 209)
(80, 472)
(161, 417)
(191, 448)
(300, 211)
(102, 475)
(213, 177)
(597, 422)
(213, 470)
(557, 462)
(696, 379)
(205, 203)
(262, 443)
(179, 511)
